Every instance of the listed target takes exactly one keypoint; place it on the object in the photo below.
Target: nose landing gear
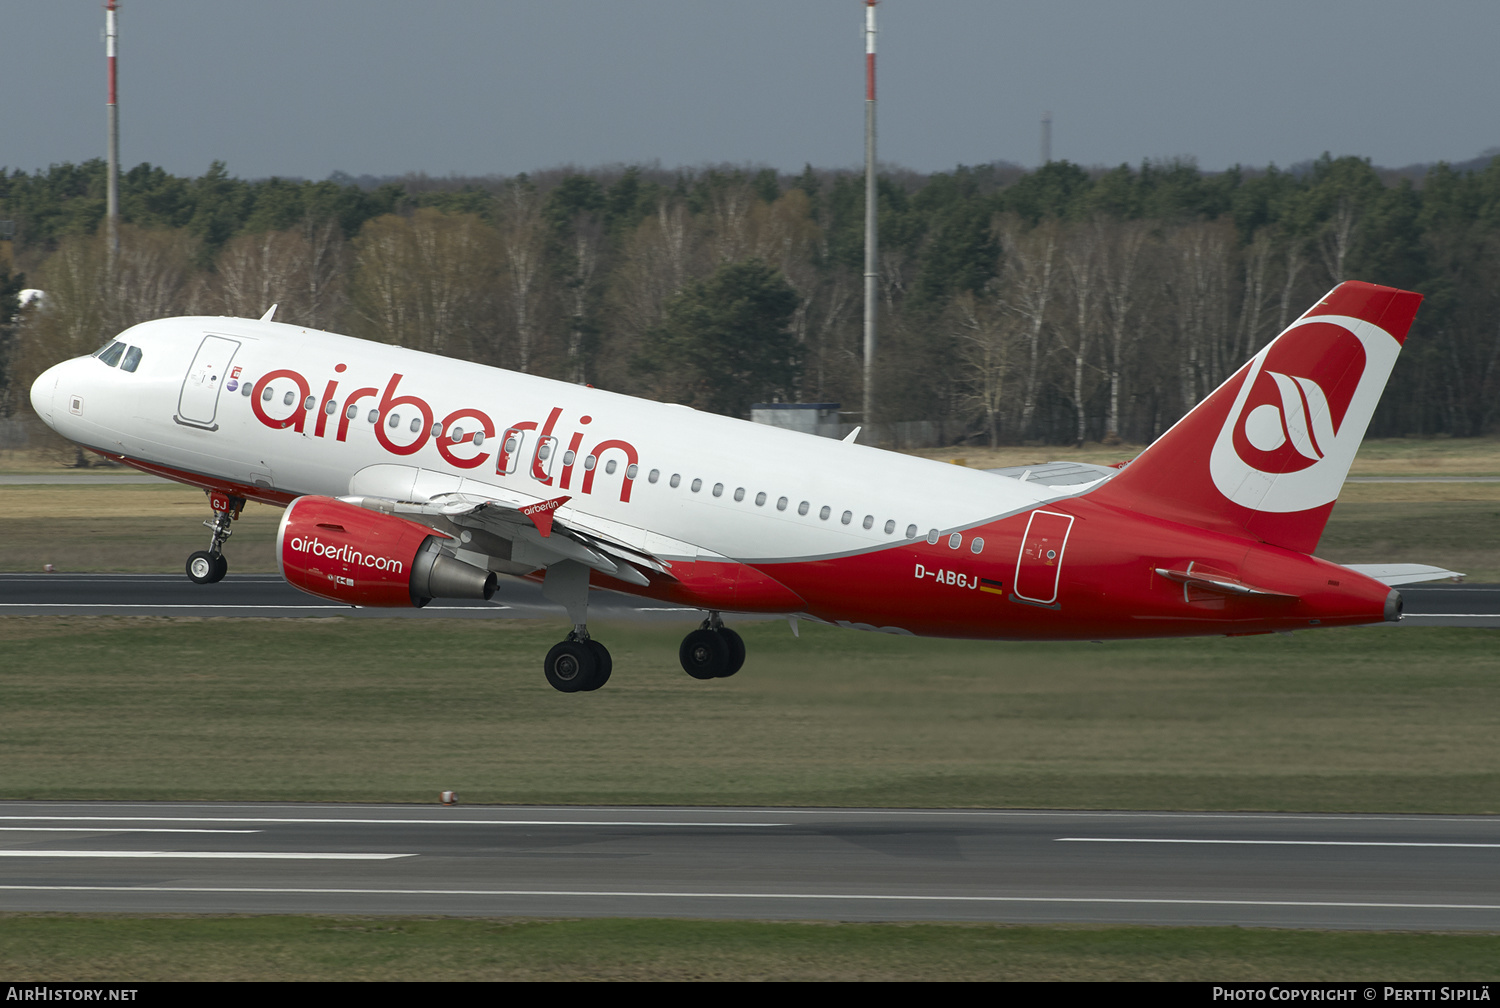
(713, 651)
(208, 566)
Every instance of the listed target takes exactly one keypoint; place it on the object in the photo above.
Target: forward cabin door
(198, 404)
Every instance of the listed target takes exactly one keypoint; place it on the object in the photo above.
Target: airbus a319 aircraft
(408, 477)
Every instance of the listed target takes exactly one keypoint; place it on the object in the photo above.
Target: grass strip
(39, 947)
(339, 709)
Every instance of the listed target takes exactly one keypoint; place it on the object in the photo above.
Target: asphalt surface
(268, 595)
(1305, 871)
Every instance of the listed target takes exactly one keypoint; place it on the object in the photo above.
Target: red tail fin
(1266, 454)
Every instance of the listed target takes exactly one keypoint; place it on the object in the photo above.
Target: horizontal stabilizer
(1394, 574)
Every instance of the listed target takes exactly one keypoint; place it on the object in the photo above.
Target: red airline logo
(461, 430)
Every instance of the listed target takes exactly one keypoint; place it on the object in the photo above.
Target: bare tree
(426, 281)
(986, 337)
(1028, 286)
(523, 247)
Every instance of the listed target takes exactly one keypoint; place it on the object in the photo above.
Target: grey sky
(307, 87)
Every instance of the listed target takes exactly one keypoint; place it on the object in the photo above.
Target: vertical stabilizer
(1265, 455)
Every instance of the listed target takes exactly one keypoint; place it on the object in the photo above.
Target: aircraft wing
(521, 536)
(1058, 474)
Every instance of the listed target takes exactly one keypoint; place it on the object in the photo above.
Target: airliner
(408, 477)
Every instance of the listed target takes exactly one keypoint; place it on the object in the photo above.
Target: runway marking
(118, 829)
(382, 822)
(868, 897)
(203, 855)
(1275, 843)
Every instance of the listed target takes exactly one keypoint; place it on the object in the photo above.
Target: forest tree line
(1058, 305)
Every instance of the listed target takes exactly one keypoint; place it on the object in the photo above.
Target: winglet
(541, 513)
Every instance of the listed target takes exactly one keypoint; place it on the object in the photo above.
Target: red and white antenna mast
(872, 260)
(112, 108)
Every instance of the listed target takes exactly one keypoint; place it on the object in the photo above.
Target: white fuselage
(702, 485)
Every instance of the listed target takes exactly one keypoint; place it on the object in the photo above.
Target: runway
(268, 595)
(1302, 871)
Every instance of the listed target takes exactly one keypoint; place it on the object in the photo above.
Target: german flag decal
(997, 587)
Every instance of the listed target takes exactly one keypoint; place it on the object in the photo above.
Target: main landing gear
(579, 664)
(713, 651)
(208, 566)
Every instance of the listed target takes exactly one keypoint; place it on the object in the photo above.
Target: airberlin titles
(463, 429)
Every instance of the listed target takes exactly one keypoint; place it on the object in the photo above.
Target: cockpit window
(132, 359)
(110, 353)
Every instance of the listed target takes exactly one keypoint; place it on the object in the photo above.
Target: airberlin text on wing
(461, 430)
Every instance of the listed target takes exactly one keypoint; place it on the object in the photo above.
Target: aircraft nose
(44, 391)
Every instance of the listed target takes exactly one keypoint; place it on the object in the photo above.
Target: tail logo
(1300, 414)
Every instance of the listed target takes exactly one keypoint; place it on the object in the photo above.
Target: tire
(736, 645)
(204, 567)
(572, 667)
(606, 665)
(704, 655)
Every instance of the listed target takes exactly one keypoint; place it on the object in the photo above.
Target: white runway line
(1274, 843)
(203, 855)
(383, 822)
(868, 897)
(118, 829)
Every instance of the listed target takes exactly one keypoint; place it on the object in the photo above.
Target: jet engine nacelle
(344, 553)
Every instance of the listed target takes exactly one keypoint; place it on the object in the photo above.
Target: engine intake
(337, 551)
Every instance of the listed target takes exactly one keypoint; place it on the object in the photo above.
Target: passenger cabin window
(824, 512)
(802, 508)
(977, 546)
(911, 531)
(654, 476)
(697, 485)
(718, 489)
(955, 540)
(132, 359)
(676, 480)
